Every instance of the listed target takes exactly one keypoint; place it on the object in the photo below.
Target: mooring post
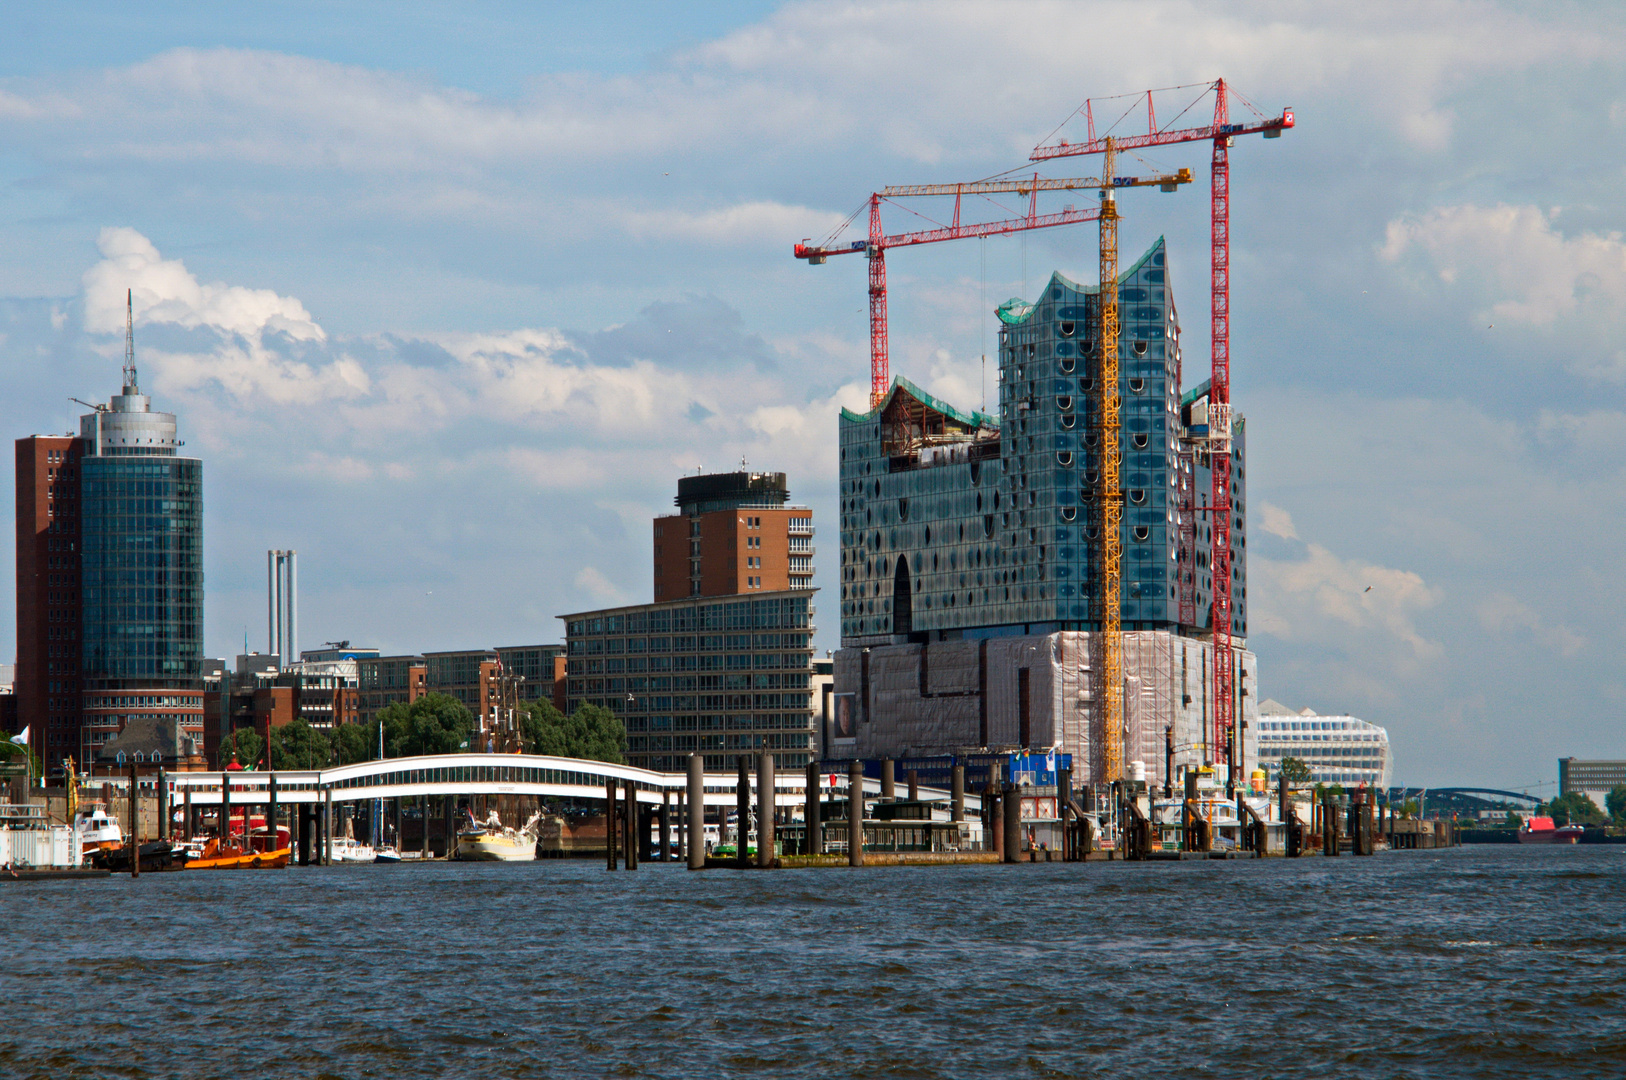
(855, 813)
(742, 808)
(186, 814)
(630, 817)
(813, 812)
(163, 804)
(271, 813)
(327, 826)
(957, 793)
(766, 804)
(665, 827)
(696, 798)
(1011, 805)
(993, 820)
(913, 776)
(889, 783)
(610, 822)
(135, 824)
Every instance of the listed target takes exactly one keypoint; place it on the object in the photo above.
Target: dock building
(970, 587)
(109, 578)
(722, 662)
(1594, 779)
(1338, 749)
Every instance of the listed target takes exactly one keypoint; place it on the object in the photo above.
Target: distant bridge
(1472, 792)
(484, 774)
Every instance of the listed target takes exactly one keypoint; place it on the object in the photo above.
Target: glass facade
(1338, 749)
(142, 569)
(723, 676)
(960, 524)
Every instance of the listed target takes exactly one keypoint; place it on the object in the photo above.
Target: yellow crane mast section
(1111, 495)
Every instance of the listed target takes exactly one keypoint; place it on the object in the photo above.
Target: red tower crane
(880, 378)
(1221, 133)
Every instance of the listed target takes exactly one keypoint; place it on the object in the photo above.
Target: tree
(1615, 802)
(1295, 772)
(1574, 809)
(297, 745)
(1410, 808)
(355, 742)
(434, 724)
(591, 732)
(246, 746)
(1511, 821)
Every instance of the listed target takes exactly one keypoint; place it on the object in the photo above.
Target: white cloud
(750, 222)
(1506, 616)
(592, 581)
(1518, 271)
(1277, 522)
(1323, 595)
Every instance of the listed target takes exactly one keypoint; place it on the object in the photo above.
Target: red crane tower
(876, 246)
(1221, 133)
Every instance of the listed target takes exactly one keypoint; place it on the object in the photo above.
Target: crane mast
(1109, 505)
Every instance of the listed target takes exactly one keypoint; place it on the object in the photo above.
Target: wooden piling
(225, 806)
(135, 824)
(957, 793)
(993, 823)
(855, 813)
(742, 809)
(889, 783)
(696, 799)
(1011, 807)
(611, 822)
(665, 827)
(913, 777)
(163, 804)
(629, 817)
(813, 811)
(187, 824)
(271, 810)
(766, 805)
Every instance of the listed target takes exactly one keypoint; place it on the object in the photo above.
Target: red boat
(1541, 830)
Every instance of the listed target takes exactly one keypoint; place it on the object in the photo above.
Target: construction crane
(1221, 133)
(880, 377)
(1109, 493)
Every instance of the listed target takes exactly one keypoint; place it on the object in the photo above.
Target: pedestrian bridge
(485, 774)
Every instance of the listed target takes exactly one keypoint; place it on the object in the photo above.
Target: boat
(495, 842)
(1542, 830)
(156, 856)
(97, 831)
(347, 849)
(230, 856)
(386, 854)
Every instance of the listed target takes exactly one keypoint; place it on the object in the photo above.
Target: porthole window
(1140, 348)
(903, 509)
(1137, 386)
(1064, 458)
(1064, 404)
(1067, 421)
(1066, 329)
(1068, 513)
(1086, 384)
(1067, 364)
(1137, 496)
(1142, 532)
(1139, 441)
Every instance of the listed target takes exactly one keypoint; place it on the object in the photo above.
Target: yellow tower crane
(1109, 494)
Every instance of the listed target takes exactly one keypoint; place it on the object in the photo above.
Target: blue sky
(447, 298)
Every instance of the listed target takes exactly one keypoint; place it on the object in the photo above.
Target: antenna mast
(131, 386)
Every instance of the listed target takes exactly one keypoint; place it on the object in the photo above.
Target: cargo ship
(1541, 830)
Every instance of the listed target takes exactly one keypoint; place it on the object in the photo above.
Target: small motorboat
(347, 849)
(97, 831)
(218, 856)
(386, 854)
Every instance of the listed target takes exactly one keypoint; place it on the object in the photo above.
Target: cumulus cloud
(1324, 595)
(1277, 522)
(1506, 616)
(1518, 270)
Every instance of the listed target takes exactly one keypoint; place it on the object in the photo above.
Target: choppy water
(1475, 962)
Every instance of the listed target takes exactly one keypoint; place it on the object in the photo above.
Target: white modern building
(1338, 749)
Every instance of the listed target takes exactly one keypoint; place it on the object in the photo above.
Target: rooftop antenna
(131, 386)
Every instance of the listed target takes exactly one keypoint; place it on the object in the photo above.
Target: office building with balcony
(734, 533)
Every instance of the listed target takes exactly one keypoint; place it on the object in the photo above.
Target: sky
(447, 298)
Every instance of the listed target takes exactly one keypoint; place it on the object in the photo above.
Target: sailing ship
(492, 841)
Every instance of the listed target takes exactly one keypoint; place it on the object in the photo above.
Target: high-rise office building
(733, 533)
(109, 577)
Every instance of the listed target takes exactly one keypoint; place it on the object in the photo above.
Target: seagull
(1369, 588)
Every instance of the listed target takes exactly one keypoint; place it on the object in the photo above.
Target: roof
(154, 738)
(900, 384)
(1016, 310)
(1272, 707)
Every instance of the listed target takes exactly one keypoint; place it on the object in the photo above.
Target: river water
(1473, 962)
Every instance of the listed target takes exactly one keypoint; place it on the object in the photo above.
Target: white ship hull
(496, 848)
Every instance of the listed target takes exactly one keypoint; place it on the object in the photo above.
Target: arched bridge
(481, 774)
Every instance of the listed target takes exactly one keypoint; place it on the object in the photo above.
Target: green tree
(1410, 808)
(1615, 802)
(246, 746)
(1511, 821)
(297, 745)
(1574, 809)
(434, 724)
(1296, 772)
(591, 732)
(355, 742)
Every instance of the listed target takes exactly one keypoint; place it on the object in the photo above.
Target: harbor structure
(971, 554)
(1593, 778)
(109, 576)
(734, 533)
(1339, 750)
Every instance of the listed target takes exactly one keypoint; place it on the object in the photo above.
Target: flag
(21, 739)
(1050, 761)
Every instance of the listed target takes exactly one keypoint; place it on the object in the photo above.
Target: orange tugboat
(230, 856)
